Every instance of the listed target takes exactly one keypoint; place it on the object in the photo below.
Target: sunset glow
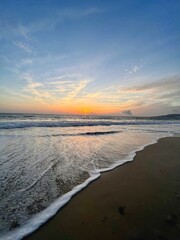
(90, 58)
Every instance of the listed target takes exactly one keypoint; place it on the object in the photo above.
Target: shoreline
(41, 218)
(117, 206)
(154, 152)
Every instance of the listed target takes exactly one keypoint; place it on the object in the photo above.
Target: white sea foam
(40, 218)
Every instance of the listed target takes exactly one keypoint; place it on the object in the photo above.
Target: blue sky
(90, 56)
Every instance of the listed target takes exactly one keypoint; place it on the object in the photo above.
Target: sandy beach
(139, 200)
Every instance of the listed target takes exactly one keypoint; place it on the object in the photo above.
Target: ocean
(46, 159)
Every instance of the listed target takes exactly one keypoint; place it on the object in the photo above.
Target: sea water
(46, 159)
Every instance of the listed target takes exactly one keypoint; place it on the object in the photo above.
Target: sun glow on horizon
(84, 109)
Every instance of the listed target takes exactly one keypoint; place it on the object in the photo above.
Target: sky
(90, 57)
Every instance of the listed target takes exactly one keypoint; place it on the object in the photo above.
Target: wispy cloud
(134, 69)
(95, 95)
(168, 83)
(18, 29)
(16, 94)
(53, 92)
(27, 48)
(92, 10)
(29, 77)
(62, 15)
(59, 83)
(11, 30)
(26, 61)
(77, 88)
(161, 95)
(23, 31)
(163, 92)
(34, 89)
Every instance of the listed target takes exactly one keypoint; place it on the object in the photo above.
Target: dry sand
(139, 200)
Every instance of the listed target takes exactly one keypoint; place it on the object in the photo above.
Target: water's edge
(42, 217)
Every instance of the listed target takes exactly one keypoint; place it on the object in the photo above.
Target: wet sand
(139, 200)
